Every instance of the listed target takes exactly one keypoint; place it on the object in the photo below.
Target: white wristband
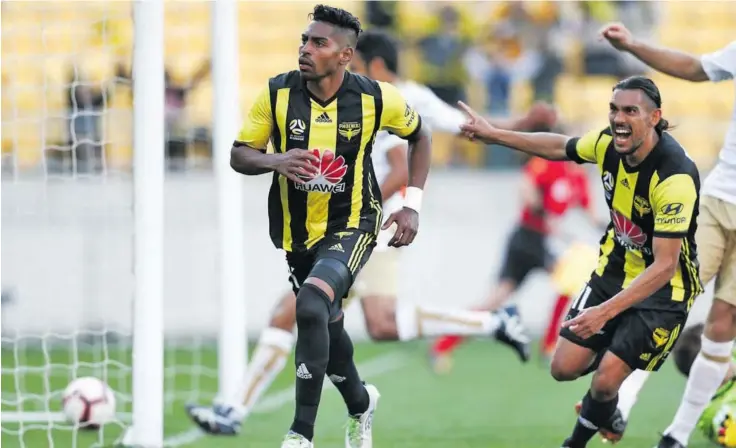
(413, 198)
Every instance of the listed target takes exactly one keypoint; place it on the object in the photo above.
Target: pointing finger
(467, 109)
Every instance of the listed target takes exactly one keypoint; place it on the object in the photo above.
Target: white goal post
(232, 344)
(148, 198)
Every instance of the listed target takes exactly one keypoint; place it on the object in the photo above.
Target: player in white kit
(386, 318)
(715, 238)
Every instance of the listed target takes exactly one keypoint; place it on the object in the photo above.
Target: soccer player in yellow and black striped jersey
(630, 313)
(325, 206)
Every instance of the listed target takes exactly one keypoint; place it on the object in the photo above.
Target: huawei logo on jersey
(329, 178)
(628, 234)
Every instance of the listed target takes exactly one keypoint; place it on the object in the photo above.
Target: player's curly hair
(687, 348)
(651, 90)
(338, 17)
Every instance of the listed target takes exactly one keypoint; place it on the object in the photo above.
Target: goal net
(68, 220)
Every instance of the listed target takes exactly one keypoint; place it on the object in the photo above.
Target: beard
(315, 76)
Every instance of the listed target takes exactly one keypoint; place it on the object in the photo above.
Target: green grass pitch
(489, 400)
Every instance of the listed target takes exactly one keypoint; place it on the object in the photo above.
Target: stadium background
(66, 164)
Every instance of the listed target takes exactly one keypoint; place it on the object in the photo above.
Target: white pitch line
(273, 402)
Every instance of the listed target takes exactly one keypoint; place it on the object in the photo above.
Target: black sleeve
(572, 151)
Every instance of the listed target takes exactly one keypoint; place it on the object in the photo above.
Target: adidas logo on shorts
(303, 373)
(337, 247)
(324, 118)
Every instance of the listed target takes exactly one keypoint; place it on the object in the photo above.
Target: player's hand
(297, 165)
(407, 226)
(618, 35)
(589, 322)
(476, 127)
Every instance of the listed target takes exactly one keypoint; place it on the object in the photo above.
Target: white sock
(418, 321)
(269, 358)
(629, 391)
(706, 375)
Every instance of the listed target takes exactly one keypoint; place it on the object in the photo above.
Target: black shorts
(642, 338)
(525, 252)
(352, 246)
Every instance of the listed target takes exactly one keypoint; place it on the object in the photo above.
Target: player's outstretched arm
(540, 114)
(440, 116)
(543, 144)
(671, 62)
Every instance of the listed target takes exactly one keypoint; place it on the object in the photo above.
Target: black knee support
(338, 277)
(312, 305)
(335, 273)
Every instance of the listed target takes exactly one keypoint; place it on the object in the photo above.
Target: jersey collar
(343, 87)
(649, 160)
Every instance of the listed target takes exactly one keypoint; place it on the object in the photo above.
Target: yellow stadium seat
(567, 98)
(21, 38)
(180, 42)
(121, 98)
(701, 100)
(199, 106)
(29, 102)
(19, 11)
(713, 41)
(26, 135)
(286, 12)
(182, 67)
(270, 44)
(580, 97)
(119, 134)
(63, 39)
(521, 97)
(697, 27)
(699, 145)
(248, 93)
(184, 12)
(96, 66)
(56, 129)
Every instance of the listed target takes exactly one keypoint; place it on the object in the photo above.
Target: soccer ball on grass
(88, 402)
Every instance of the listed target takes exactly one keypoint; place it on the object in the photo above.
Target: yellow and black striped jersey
(656, 199)
(340, 131)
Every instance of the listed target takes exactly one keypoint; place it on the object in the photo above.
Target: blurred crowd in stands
(499, 56)
(486, 50)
